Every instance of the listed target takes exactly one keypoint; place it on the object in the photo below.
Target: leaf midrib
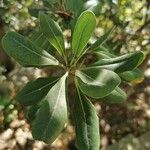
(77, 49)
(117, 60)
(54, 36)
(41, 88)
(85, 120)
(38, 37)
(46, 128)
(34, 52)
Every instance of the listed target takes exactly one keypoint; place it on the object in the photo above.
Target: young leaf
(25, 52)
(134, 76)
(35, 91)
(116, 96)
(100, 40)
(53, 32)
(86, 124)
(122, 63)
(83, 30)
(97, 83)
(52, 115)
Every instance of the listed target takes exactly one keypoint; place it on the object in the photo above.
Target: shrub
(88, 71)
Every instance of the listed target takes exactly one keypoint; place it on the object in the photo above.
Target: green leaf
(97, 83)
(102, 48)
(75, 6)
(31, 112)
(101, 40)
(134, 76)
(53, 32)
(86, 124)
(53, 1)
(104, 55)
(35, 91)
(52, 115)
(121, 64)
(40, 40)
(83, 30)
(116, 96)
(25, 52)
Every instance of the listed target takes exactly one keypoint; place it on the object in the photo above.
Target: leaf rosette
(48, 98)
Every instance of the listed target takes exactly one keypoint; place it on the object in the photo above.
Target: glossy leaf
(134, 76)
(86, 124)
(122, 63)
(52, 115)
(83, 30)
(35, 91)
(101, 40)
(25, 52)
(53, 32)
(116, 96)
(97, 83)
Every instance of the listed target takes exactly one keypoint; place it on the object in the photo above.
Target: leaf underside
(52, 115)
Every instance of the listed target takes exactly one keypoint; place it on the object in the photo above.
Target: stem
(78, 59)
(66, 60)
(72, 60)
(81, 63)
(65, 57)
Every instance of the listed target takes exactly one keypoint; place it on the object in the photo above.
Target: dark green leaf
(83, 30)
(122, 63)
(40, 40)
(25, 52)
(52, 115)
(35, 11)
(31, 112)
(53, 32)
(86, 124)
(97, 83)
(75, 6)
(116, 96)
(134, 76)
(35, 90)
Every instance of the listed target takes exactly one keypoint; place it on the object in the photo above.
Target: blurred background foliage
(131, 19)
